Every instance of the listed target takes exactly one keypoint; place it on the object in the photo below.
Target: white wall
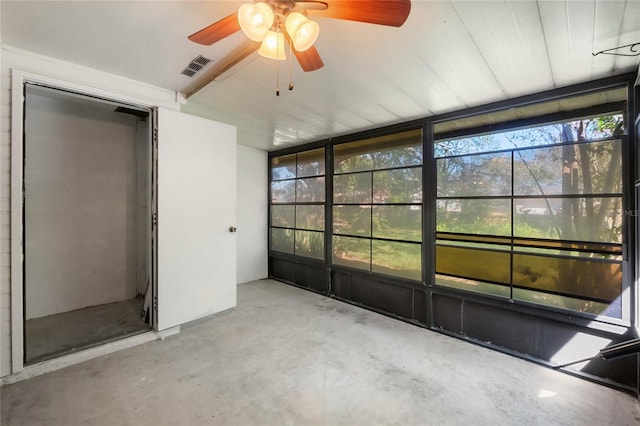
(252, 205)
(80, 203)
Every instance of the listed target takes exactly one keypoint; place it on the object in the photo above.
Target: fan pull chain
(290, 64)
(277, 78)
(277, 61)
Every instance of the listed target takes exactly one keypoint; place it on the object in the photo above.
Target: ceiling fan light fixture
(272, 46)
(255, 19)
(303, 31)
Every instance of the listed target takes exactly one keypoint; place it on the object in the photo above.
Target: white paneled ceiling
(448, 55)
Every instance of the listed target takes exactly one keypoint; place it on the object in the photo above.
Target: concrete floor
(66, 332)
(287, 356)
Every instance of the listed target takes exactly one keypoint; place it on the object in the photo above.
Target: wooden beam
(222, 66)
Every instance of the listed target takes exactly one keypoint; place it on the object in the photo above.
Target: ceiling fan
(273, 23)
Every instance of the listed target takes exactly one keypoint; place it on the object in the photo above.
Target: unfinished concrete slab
(287, 356)
(55, 335)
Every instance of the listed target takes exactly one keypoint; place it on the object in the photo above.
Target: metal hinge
(155, 144)
(154, 219)
(155, 303)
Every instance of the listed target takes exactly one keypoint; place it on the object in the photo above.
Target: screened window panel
(543, 135)
(474, 216)
(560, 244)
(283, 167)
(352, 252)
(349, 162)
(594, 169)
(352, 188)
(398, 186)
(575, 277)
(282, 240)
(483, 265)
(591, 250)
(352, 220)
(309, 244)
(283, 216)
(397, 259)
(283, 191)
(389, 151)
(404, 156)
(473, 285)
(310, 217)
(397, 223)
(311, 163)
(475, 175)
(473, 240)
(613, 309)
(310, 190)
(577, 219)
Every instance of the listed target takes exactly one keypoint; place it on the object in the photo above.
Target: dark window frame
(630, 247)
(294, 229)
(371, 204)
(628, 317)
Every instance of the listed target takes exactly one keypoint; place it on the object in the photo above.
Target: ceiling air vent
(196, 65)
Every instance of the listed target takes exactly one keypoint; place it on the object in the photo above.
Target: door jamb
(18, 80)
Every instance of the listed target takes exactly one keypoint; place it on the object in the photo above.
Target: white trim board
(91, 81)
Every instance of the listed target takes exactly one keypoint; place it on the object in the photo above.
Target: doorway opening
(87, 231)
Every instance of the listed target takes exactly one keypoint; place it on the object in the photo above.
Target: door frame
(18, 80)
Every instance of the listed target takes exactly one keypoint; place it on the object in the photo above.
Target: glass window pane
(577, 219)
(283, 216)
(398, 259)
(589, 279)
(283, 191)
(310, 190)
(398, 186)
(310, 244)
(352, 220)
(352, 252)
(283, 167)
(397, 222)
(311, 163)
(593, 168)
(485, 216)
(543, 135)
(560, 243)
(475, 264)
(282, 240)
(396, 150)
(352, 188)
(613, 309)
(310, 217)
(474, 175)
(473, 285)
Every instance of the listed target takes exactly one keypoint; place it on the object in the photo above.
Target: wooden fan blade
(309, 60)
(382, 12)
(303, 5)
(217, 31)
